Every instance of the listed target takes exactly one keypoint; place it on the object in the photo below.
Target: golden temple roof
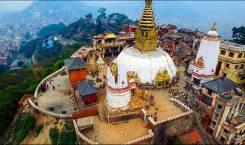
(146, 32)
(110, 36)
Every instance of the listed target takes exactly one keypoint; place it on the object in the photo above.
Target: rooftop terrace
(232, 46)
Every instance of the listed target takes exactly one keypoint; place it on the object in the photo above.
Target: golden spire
(146, 32)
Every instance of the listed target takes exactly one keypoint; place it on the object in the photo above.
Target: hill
(42, 13)
(189, 14)
(80, 30)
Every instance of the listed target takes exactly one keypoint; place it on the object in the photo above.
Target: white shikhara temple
(207, 58)
(142, 63)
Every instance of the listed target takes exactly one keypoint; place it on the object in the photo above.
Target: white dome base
(118, 100)
(146, 64)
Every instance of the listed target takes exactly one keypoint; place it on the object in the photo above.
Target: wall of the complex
(172, 128)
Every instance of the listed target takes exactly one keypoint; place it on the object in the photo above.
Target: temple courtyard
(56, 97)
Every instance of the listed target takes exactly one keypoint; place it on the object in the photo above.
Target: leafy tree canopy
(51, 30)
(238, 34)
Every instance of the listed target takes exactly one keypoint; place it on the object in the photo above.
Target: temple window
(219, 107)
(225, 131)
(223, 52)
(231, 54)
(239, 55)
(236, 66)
(227, 65)
(209, 92)
(216, 116)
(241, 66)
(213, 123)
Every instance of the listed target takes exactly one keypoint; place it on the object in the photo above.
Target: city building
(191, 137)
(227, 102)
(76, 68)
(224, 105)
(108, 44)
(170, 41)
(232, 62)
(129, 30)
(164, 29)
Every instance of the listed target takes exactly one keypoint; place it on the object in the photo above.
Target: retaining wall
(55, 115)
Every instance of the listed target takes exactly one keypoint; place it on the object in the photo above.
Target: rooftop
(75, 63)
(232, 46)
(86, 88)
(191, 137)
(220, 85)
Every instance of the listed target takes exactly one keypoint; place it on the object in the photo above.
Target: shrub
(37, 129)
(54, 135)
(22, 127)
(20, 136)
(67, 138)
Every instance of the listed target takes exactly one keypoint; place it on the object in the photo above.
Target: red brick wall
(85, 112)
(90, 99)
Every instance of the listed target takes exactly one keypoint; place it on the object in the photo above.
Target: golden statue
(146, 32)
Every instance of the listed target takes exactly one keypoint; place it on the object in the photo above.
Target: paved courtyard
(116, 133)
(58, 97)
(166, 109)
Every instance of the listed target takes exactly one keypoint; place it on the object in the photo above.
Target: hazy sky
(10, 6)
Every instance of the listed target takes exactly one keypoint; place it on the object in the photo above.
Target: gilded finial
(146, 32)
(214, 27)
(148, 2)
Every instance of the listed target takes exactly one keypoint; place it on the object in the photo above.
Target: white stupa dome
(146, 64)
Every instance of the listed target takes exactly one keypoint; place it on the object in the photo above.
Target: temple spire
(148, 2)
(146, 32)
(214, 27)
(213, 31)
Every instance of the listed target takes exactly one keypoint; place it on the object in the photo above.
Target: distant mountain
(88, 27)
(42, 13)
(79, 31)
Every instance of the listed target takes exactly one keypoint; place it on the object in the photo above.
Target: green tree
(37, 129)
(67, 138)
(51, 29)
(238, 34)
(102, 13)
(89, 16)
(54, 135)
(27, 35)
(22, 127)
